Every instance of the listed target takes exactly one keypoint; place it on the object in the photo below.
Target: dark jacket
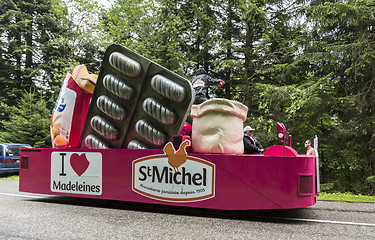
(250, 145)
(201, 82)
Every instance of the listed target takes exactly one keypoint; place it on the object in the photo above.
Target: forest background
(308, 64)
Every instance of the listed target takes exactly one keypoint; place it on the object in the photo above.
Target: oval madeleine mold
(135, 144)
(110, 108)
(118, 87)
(94, 142)
(125, 64)
(150, 133)
(168, 88)
(158, 111)
(104, 128)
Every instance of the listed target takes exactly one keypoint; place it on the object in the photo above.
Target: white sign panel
(76, 172)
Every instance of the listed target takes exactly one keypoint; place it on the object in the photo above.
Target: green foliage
(370, 182)
(343, 55)
(40, 39)
(370, 179)
(28, 122)
(26, 30)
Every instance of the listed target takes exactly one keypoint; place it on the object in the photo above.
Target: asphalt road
(30, 216)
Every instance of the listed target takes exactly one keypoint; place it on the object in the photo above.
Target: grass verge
(10, 177)
(349, 197)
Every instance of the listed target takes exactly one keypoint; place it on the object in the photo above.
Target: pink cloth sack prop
(218, 126)
(68, 115)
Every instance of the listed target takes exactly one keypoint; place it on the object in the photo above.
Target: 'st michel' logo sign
(174, 176)
(76, 172)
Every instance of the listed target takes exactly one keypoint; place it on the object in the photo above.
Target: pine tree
(28, 122)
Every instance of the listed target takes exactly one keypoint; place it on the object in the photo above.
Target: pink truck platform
(279, 179)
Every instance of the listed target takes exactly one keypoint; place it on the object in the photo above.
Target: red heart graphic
(79, 163)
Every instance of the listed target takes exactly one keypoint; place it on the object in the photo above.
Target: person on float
(251, 144)
(201, 83)
(310, 149)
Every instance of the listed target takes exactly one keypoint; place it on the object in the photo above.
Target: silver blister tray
(136, 104)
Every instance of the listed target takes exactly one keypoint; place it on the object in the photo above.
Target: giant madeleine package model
(137, 104)
(70, 110)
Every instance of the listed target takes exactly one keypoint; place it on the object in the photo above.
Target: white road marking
(324, 221)
(21, 195)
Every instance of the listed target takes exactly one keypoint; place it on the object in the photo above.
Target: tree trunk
(29, 56)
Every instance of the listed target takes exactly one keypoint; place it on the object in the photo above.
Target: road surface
(31, 216)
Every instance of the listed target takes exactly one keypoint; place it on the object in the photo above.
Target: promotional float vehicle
(134, 147)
